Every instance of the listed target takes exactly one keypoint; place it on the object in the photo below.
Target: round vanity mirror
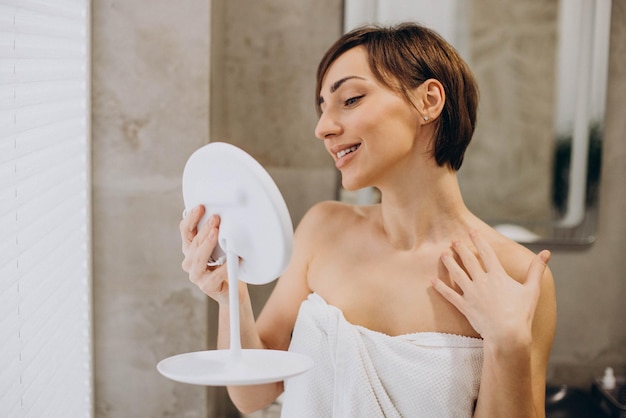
(255, 240)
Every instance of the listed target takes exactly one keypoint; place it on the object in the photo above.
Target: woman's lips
(345, 154)
(347, 151)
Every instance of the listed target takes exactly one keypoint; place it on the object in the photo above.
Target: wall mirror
(533, 168)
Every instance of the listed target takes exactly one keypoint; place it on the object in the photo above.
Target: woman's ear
(430, 98)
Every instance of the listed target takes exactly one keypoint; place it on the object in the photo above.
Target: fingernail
(545, 256)
(473, 233)
(456, 243)
(212, 220)
(196, 209)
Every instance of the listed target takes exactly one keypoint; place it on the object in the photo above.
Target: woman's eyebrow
(337, 84)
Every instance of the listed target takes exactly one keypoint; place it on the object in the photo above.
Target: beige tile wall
(150, 111)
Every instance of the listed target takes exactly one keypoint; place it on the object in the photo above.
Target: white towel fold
(363, 373)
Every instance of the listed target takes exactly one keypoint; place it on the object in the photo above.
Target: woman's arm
(197, 246)
(516, 321)
(276, 321)
(275, 324)
(517, 371)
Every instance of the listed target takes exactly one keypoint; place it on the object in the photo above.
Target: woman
(413, 306)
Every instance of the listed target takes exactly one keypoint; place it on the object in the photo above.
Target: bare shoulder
(325, 219)
(334, 209)
(515, 257)
(328, 225)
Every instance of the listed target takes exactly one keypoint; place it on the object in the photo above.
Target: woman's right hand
(198, 245)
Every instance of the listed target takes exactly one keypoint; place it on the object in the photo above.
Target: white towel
(363, 373)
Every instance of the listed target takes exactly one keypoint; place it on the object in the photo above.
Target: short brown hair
(407, 55)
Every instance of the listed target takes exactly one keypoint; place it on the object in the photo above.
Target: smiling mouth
(347, 151)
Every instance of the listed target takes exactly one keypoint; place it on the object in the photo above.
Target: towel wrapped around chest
(363, 373)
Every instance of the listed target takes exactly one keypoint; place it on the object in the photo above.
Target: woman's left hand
(498, 307)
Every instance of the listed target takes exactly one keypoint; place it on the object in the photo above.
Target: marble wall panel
(512, 51)
(150, 101)
(265, 57)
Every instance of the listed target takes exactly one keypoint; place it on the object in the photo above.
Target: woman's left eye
(352, 100)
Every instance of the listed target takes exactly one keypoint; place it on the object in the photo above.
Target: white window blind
(45, 284)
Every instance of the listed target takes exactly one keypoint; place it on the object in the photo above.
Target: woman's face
(368, 129)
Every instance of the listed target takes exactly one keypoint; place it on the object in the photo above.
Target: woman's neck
(426, 209)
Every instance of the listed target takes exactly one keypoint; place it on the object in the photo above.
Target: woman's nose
(327, 126)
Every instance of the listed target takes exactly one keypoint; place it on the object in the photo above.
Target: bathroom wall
(158, 94)
(512, 45)
(150, 96)
(591, 281)
(264, 60)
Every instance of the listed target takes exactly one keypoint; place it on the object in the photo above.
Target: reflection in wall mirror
(533, 168)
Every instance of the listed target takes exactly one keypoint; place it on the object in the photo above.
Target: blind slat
(23, 20)
(24, 94)
(20, 70)
(38, 115)
(42, 137)
(47, 159)
(23, 45)
(60, 8)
